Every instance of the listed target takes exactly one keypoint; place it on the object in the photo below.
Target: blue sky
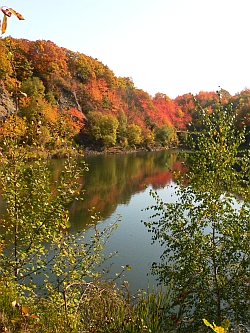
(168, 46)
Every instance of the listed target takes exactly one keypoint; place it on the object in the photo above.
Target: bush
(165, 135)
(205, 231)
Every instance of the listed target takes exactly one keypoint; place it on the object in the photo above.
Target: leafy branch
(7, 12)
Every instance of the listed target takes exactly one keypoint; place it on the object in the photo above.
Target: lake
(120, 184)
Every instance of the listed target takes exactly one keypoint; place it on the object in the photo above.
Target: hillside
(51, 95)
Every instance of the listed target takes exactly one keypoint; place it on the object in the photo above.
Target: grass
(99, 307)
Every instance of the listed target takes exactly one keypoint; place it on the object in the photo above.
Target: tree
(5, 63)
(34, 240)
(33, 87)
(242, 102)
(122, 127)
(134, 135)
(14, 128)
(165, 135)
(50, 64)
(103, 128)
(42, 121)
(19, 56)
(80, 66)
(205, 233)
(108, 128)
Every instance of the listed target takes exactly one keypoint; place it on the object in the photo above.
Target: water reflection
(113, 179)
(120, 184)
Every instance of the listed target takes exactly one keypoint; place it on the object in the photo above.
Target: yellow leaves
(66, 221)
(15, 127)
(7, 13)
(218, 329)
(127, 267)
(24, 311)
(18, 15)
(14, 304)
(4, 24)
(1, 245)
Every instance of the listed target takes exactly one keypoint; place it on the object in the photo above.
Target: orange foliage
(170, 112)
(49, 62)
(78, 84)
(15, 127)
(206, 99)
(77, 118)
(7, 13)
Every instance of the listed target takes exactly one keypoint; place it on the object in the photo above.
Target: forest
(53, 100)
(51, 96)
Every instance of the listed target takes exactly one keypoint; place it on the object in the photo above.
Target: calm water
(120, 184)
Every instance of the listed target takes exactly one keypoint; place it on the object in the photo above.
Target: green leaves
(103, 128)
(165, 135)
(205, 231)
(37, 211)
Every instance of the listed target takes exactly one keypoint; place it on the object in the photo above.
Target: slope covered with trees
(51, 96)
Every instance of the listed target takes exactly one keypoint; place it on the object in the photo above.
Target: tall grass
(100, 307)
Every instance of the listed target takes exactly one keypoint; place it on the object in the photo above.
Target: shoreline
(119, 150)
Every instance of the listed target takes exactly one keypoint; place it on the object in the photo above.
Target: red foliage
(171, 112)
(77, 118)
(49, 62)
(75, 81)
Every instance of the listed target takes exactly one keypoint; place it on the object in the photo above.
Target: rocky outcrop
(7, 106)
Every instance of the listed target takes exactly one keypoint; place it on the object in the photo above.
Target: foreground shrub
(205, 231)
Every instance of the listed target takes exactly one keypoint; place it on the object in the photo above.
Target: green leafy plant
(36, 211)
(23, 318)
(35, 240)
(103, 128)
(165, 135)
(205, 231)
(133, 135)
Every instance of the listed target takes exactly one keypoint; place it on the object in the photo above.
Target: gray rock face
(7, 106)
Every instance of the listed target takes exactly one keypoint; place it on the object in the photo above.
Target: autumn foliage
(56, 92)
(7, 12)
